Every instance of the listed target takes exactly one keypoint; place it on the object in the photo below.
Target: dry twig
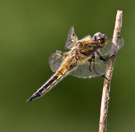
(106, 87)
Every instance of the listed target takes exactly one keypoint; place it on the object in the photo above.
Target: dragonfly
(87, 58)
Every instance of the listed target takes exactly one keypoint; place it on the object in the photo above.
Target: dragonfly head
(100, 38)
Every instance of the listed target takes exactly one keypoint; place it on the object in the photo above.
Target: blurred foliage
(29, 32)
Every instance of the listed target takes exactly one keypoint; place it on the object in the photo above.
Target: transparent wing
(86, 37)
(55, 59)
(86, 70)
(71, 39)
(106, 50)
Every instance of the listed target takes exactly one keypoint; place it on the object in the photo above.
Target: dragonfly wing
(71, 39)
(106, 49)
(86, 37)
(86, 69)
(55, 59)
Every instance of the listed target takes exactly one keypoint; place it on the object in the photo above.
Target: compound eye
(102, 37)
(99, 36)
(95, 37)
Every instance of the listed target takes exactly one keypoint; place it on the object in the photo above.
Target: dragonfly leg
(90, 60)
(104, 59)
(94, 69)
(107, 58)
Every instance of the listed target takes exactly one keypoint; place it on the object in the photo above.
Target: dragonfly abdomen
(50, 83)
(64, 69)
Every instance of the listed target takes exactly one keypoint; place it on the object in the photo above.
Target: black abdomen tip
(34, 96)
(30, 99)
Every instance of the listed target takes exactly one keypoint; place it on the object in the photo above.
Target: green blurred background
(29, 32)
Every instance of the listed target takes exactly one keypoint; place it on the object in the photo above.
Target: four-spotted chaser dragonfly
(86, 59)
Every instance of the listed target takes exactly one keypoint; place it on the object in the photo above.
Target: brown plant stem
(106, 87)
